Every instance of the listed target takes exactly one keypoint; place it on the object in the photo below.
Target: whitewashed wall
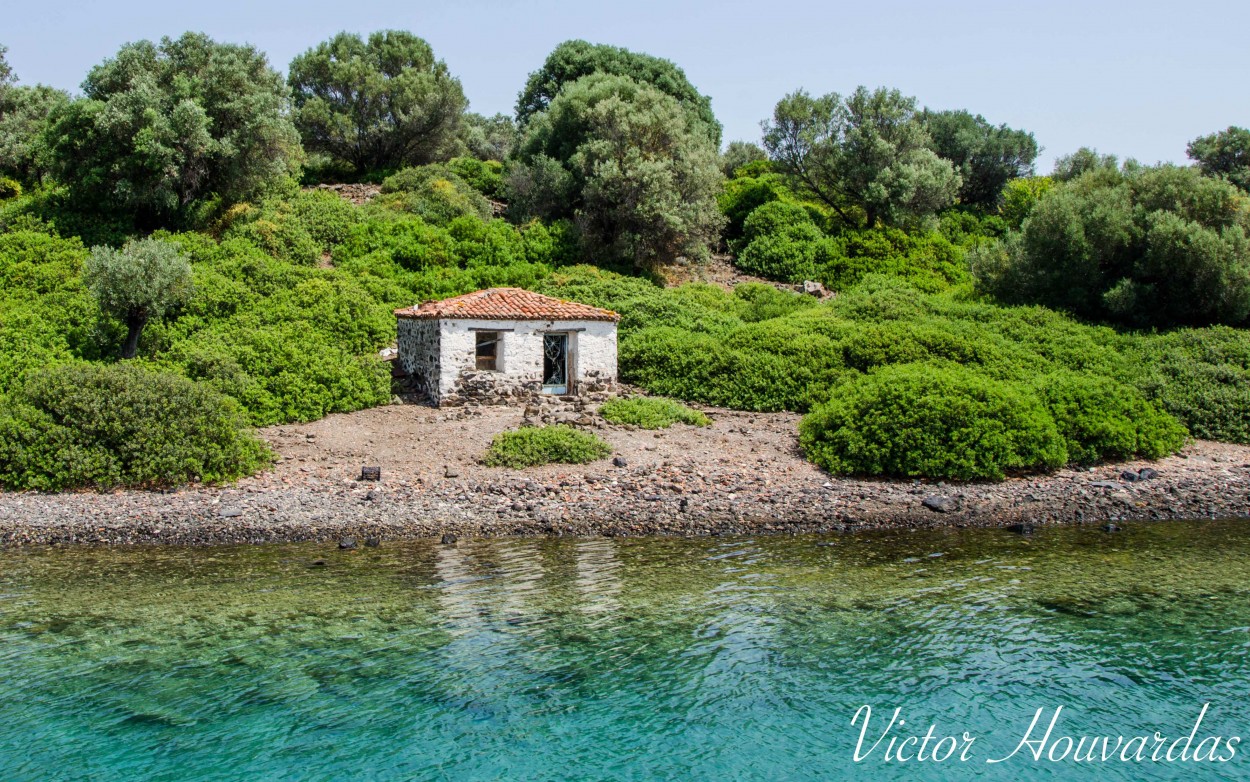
(592, 349)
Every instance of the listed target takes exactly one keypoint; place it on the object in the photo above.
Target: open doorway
(555, 363)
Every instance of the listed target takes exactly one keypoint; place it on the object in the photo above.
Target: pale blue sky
(1136, 79)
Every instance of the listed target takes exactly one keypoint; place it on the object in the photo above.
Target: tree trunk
(134, 324)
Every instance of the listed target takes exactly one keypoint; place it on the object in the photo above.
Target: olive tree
(488, 138)
(24, 115)
(1224, 154)
(1082, 162)
(629, 164)
(986, 156)
(163, 126)
(573, 60)
(141, 282)
(6, 72)
(867, 156)
(380, 103)
(739, 154)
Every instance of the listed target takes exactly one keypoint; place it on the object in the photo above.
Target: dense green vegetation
(531, 446)
(167, 288)
(650, 412)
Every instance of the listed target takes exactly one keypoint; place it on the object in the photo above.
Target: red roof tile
(506, 304)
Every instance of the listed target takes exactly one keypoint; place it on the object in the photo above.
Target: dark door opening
(555, 363)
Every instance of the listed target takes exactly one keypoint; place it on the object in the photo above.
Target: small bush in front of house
(932, 421)
(90, 426)
(651, 412)
(534, 445)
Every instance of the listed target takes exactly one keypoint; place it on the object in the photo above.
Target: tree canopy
(631, 165)
(1083, 161)
(163, 125)
(380, 103)
(1224, 154)
(24, 114)
(986, 156)
(1159, 246)
(6, 71)
(139, 283)
(867, 156)
(573, 60)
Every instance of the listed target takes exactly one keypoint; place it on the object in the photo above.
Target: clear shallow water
(720, 659)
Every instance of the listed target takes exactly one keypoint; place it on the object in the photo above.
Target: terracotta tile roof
(506, 304)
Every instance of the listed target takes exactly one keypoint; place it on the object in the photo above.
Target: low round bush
(83, 425)
(651, 412)
(789, 257)
(1101, 418)
(535, 445)
(924, 420)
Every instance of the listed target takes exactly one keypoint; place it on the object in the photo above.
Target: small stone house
(504, 345)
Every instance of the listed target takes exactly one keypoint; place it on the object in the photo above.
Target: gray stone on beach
(939, 504)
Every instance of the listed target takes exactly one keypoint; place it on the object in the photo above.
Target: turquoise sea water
(639, 659)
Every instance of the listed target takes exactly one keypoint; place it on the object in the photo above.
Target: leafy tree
(163, 126)
(1224, 154)
(867, 154)
(1021, 195)
(987, 157)
(377, 104)
(739, 154)
(24, 113)
(139, 283)
(489, 138)
(6, 72)
(629, 164)
(573, 60)
(1081, 162)
(1161, 246)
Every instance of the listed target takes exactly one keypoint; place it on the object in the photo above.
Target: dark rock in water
(347, 543)
(373, 542)
(1130, 476)
(939, 504)
(1023, 528)
(1147, 473)
(448, 539)
(230, 513)
(1111, 528)
(619, 461)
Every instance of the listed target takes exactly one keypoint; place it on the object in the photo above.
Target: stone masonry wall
(419, 355)
(592, 351)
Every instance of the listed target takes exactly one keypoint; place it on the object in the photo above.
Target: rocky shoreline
(743, 475)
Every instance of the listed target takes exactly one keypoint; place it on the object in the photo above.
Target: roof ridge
(506, 303)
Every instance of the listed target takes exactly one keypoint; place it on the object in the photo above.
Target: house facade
(506, 344)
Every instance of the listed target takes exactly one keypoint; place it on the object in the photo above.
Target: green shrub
(9, 188)
(326, 216)
(743, 195)
(434, 193)
(651, 413)
(531, 446)
(484, 176)
(1201, 376)
(786, 257)
(1101, 418)
(79, 425)
(931, 421)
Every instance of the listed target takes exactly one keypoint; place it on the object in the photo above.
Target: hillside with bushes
(167, 290)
